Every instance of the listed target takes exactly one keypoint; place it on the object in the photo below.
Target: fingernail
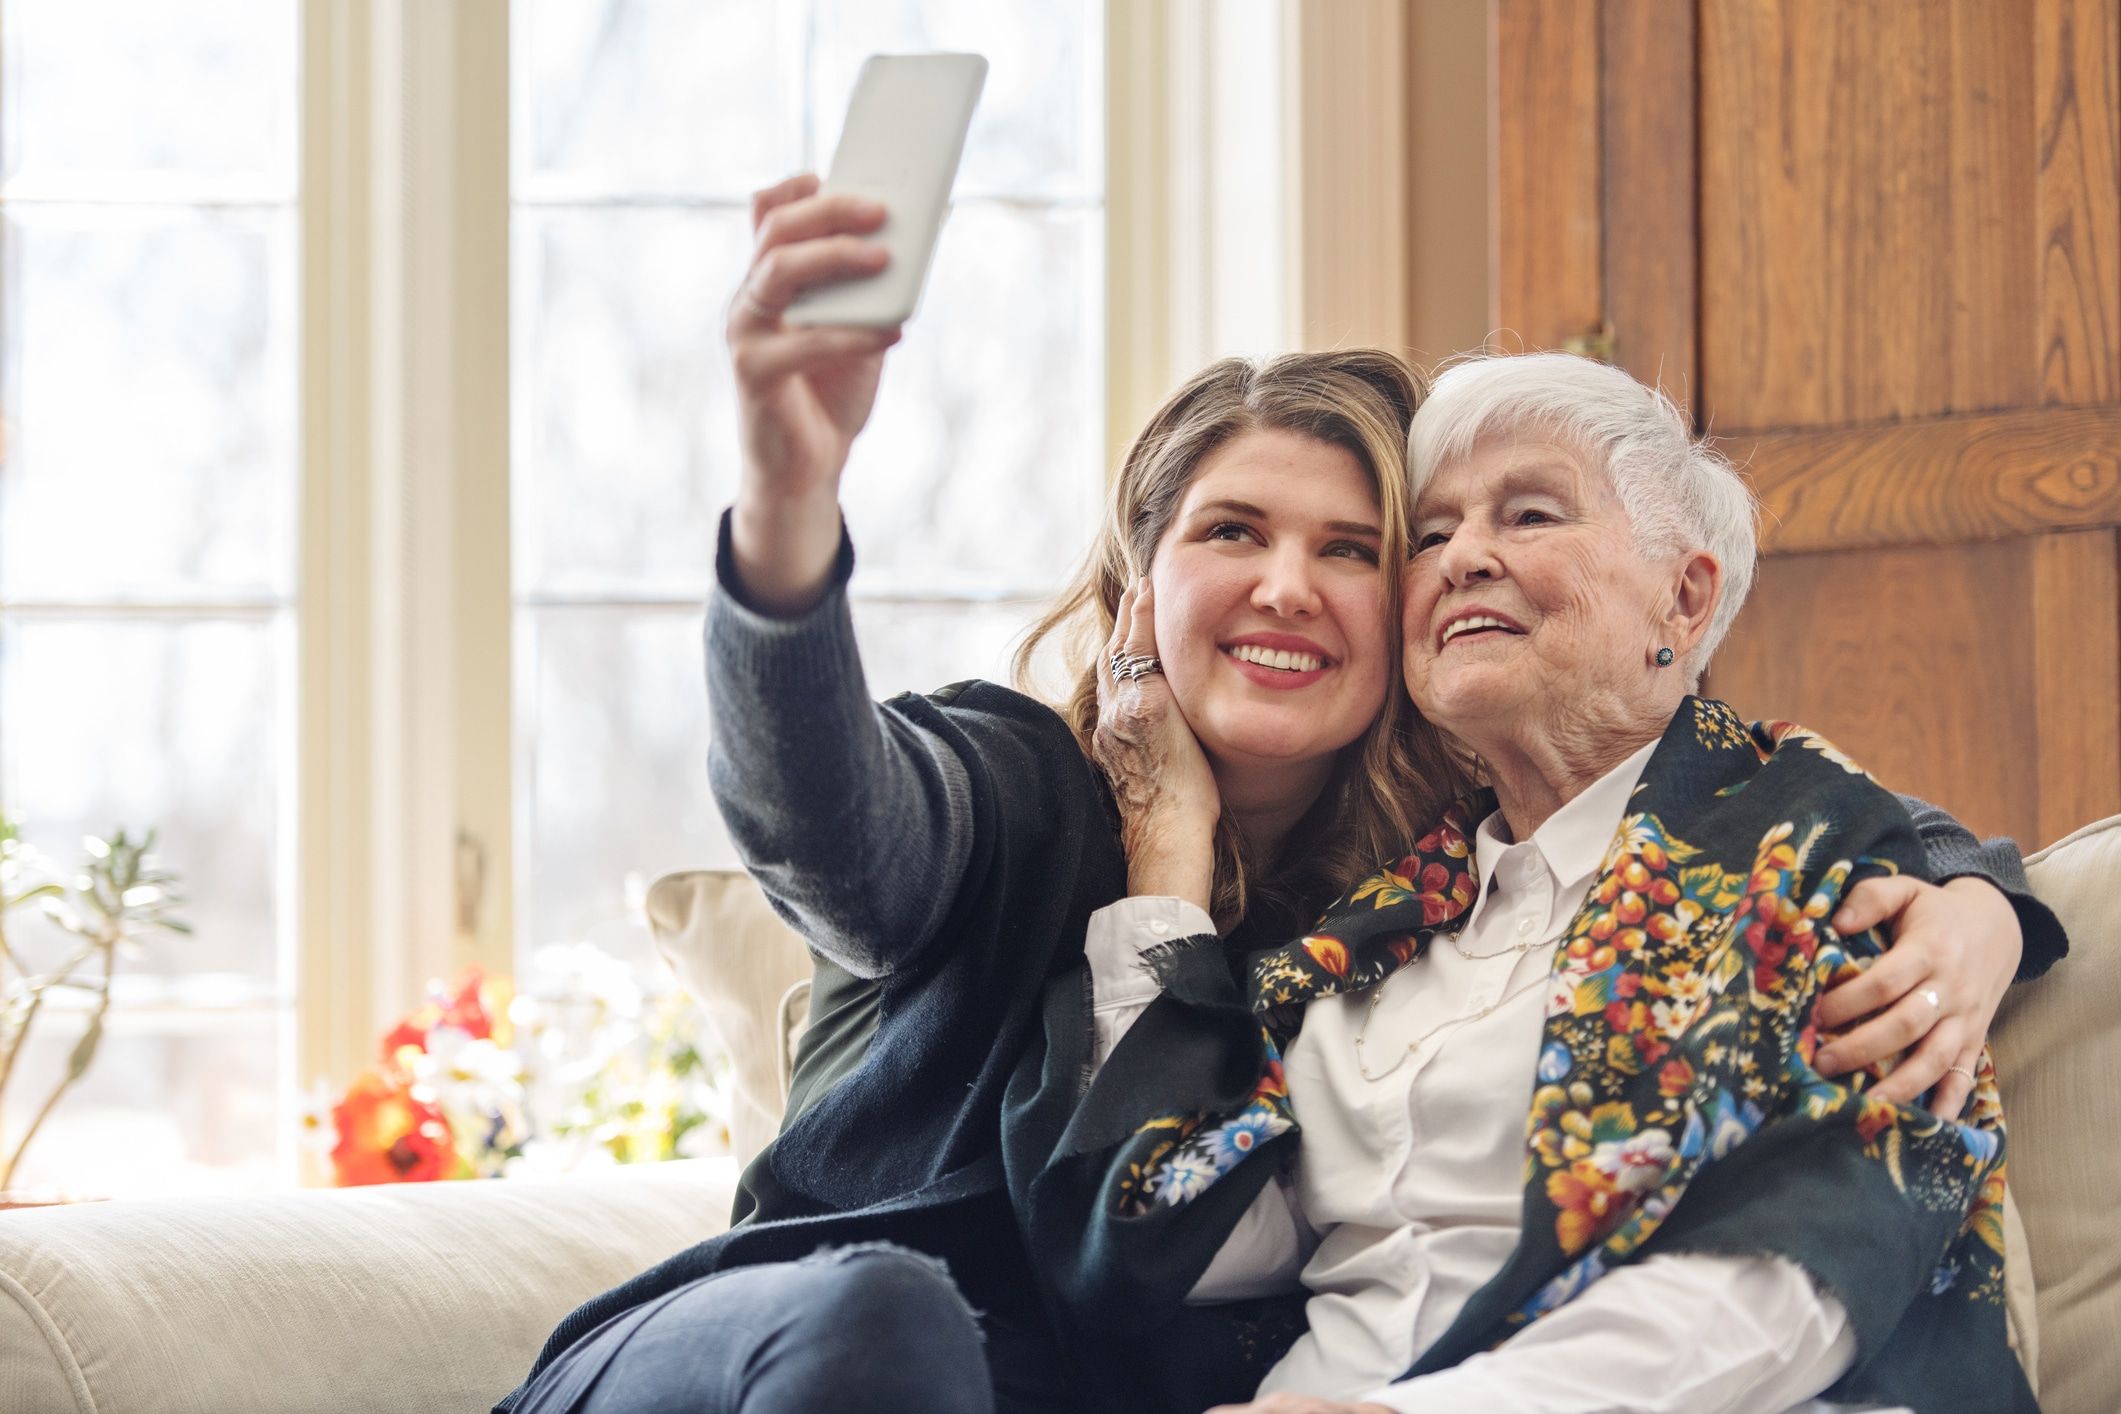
(1843, 919)
(1823, 1061)
(864, 207)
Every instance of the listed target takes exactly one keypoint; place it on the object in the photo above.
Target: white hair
(1679, 493)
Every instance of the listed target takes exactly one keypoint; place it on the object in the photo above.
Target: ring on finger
(1127, 669)
(1961, 1070)
(1930, 995)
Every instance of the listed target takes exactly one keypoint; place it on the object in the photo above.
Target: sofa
(437, 1296)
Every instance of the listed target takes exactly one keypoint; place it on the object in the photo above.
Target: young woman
(944, 854)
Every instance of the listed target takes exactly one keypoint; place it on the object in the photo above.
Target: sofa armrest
(411, 1296)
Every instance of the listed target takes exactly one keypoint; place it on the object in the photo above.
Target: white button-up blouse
(1406, 1194)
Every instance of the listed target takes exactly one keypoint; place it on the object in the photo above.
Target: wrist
(783, 548)
(1163, 867)
(1986, 896)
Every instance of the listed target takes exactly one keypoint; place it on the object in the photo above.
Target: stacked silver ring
(1127, 667)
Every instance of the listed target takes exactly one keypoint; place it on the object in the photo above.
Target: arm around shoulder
(1956, 853)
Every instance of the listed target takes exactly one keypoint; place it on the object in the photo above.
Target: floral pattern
(1679, 1026)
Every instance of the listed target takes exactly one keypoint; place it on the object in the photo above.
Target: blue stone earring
(1664, 657)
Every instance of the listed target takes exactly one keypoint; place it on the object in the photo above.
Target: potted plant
(118, 896)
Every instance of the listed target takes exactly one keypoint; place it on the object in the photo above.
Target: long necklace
(1377, 994)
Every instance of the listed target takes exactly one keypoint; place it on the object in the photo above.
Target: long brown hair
(1399, 772)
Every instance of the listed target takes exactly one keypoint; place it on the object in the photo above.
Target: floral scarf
(1676, 1106)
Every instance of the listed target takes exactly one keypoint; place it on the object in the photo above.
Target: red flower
(469, 1009)
(1329, 953)
(389, 1134)
(1676, 1079)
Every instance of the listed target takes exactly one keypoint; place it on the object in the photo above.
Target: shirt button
(1525, 927)
(1162, 927)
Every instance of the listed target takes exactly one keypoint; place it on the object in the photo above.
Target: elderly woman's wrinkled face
(1527, 602)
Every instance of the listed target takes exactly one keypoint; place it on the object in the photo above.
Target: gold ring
(1971, 1079)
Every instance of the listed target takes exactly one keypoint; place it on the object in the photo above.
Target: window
(278, 497)
(639, 133)
(262, 435)
(148, 576)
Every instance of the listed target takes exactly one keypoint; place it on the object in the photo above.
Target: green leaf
(85, 1049)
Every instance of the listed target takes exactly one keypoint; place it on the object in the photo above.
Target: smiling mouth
(1476, 624)
(1279, 659)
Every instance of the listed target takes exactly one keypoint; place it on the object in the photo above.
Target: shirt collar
(1572, 842)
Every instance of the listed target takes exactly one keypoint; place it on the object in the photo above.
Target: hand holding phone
(904, 136)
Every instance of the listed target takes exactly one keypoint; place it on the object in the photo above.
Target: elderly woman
(1566, 1139)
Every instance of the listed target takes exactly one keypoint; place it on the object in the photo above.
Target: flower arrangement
(464, 1079)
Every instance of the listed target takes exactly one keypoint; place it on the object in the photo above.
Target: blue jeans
(874, 1328)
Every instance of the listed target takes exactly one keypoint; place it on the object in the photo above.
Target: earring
(1664, 657)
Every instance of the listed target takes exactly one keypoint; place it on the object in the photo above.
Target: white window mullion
(442, 496)
(334, 808)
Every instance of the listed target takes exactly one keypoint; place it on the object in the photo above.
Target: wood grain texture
(1945, 481)
(1867, 210)
(1548, 211)
(1652, 275)
(2077, 83)
(2076, 618)
(1918, 662)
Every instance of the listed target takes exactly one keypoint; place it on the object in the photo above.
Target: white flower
(1186, 1175)
(1688, 988)
(1636, 1163)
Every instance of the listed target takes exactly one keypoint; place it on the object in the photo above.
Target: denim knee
(880, 1328)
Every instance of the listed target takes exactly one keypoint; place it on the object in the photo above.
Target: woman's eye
(1532, 517)
(1229, 530)
(1430, 541)
(1352, 550)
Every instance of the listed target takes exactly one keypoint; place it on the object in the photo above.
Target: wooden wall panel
(2076, 616)
(1920, 663)
(1549, 258)
(1651, 246)
(2077, 85)
(1944, 481)
(1867, 210)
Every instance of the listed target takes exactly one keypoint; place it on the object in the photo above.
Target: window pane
(170, 725)
(921, 647)
(656, 97)
(121, 89)
(150, 392)
(1039, 127)
(981, 464)
(173, 1103)
(612, 714)
(626, 445)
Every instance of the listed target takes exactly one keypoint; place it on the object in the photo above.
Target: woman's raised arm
(857, 823)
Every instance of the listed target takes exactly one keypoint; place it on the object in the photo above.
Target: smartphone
(905, 133)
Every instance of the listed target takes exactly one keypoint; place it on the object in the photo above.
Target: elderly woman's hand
(1168, 803)
(1954, 952)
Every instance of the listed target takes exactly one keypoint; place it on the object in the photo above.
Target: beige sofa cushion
(2058, 1054)
(413, 1296)
(736, 958)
